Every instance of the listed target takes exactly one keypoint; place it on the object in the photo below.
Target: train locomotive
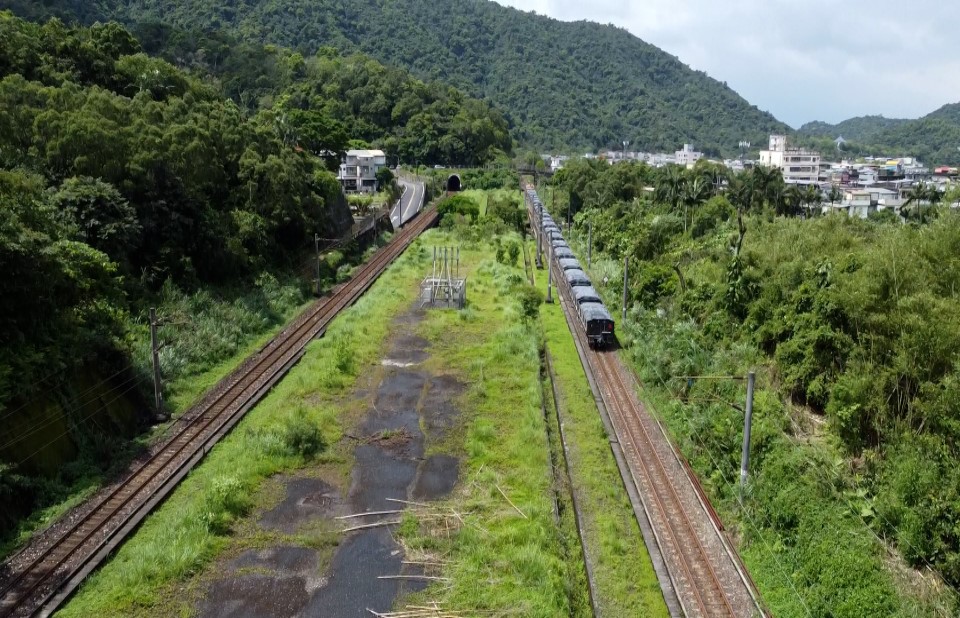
(596, 321)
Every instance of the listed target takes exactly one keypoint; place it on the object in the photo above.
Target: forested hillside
(934, 138)
(579, 85)
(859, 129)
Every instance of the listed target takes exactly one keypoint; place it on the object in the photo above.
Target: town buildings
(358, 172)
(799, 166)
(687, 156)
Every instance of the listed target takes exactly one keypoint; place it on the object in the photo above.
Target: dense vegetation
(859, 129)
(579, 85)
(117, 173)
(853, 326)
(934, 138)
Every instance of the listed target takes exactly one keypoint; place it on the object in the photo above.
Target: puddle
(353, 585)
(440, 413)
(283, 592)
(437, 477)
(307, 499)
(283, 558)
(260, 596)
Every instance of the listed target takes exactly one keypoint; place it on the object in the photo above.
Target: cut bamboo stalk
(511, 503)
(408, 502)
(369, 514)
(373, 525)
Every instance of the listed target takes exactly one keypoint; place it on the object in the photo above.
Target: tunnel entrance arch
(453, 184)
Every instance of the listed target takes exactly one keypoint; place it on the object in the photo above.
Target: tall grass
(501, 561)
(626, 584)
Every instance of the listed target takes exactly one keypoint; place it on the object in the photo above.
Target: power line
(77, 406)
(80, 420)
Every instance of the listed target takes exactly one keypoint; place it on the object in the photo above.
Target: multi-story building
(687, 156)
(799, 166)
(358, 172)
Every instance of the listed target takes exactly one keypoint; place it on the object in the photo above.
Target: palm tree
(813, 195)
(768, 184)
(696, 191)
(920, 192)
(834, 196)
(793, 199)
(670, 189)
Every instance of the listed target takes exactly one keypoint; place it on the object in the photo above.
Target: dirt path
(408, 408)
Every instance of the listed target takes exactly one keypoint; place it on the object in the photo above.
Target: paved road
(410, 202)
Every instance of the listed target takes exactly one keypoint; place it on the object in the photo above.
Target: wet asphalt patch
(389, 462)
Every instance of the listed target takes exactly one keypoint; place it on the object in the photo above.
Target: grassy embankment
(510, 561)
(626, 584)
(289, 428)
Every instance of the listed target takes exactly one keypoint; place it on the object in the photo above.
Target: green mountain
(934, 138)
(579, 85)
(859, 129)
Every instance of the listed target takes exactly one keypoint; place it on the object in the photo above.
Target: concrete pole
(589, 242)
(626, 260)
(155, 346)
(549, 274)
(540, 237)
(747, 423)
(316, 248)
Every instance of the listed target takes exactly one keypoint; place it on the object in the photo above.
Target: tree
(835, 195)
(920, 192)
(384, 178)
(813, 196)
(696, 191)
(670, 189)
(100, 216)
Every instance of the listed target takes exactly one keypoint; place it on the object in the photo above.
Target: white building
(358, 172)
(687, 156)
(798, 166)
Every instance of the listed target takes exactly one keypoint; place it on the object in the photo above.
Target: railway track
(705, 573)
(706, 579)
(40, 577)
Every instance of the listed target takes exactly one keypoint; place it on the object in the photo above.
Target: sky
(813, 60)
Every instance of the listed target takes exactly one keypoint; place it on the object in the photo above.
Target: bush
(530, 299)
(225, 501)
(513, 250)
(302, 437)
(458, 205)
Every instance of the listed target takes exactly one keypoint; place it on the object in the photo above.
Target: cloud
(816, 60)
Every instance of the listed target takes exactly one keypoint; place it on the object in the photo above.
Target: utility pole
(549, 274)
(540, 238)
(589, 242)
(316, 248)
(155, 347)
(747, 422)
(626, 260)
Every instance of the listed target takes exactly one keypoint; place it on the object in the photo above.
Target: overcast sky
(814, 60)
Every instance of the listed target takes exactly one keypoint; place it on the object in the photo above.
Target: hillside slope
(577, 85)
(859, 129)
(934, 138)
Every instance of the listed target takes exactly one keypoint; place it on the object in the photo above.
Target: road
(410, 202)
